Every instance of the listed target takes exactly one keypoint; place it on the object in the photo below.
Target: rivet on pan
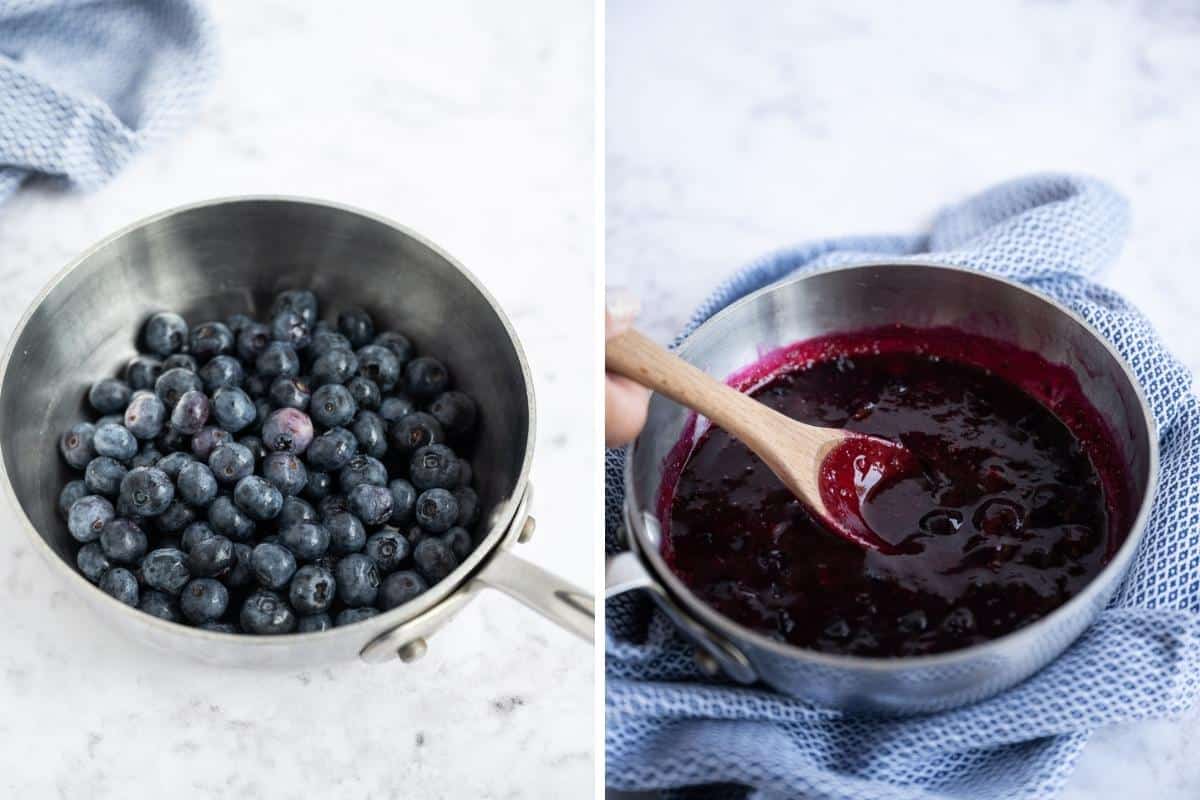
(412, 651)
(707, 664)
(527, 530)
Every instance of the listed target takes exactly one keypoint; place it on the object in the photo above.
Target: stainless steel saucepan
(856, 298)
(210, 260)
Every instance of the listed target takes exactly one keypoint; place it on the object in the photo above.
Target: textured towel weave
(667, 726)
(86, 84)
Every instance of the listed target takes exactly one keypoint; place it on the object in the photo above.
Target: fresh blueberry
(404, 500)
(142, 371)
(177, 516)
(387, 549)
(425, 378)
(158, 604)
(70, 493)
(231, 463)
(238, 322)
(208, 439)
(194, 534)
(228, 520)
(114, 441)
(355, 324)
(148, 456)
(266, 613)
(312, 590)
(211, 558)
(362, 469)
(165, 333)
(332, 504)
(173, 463)
(436, 510)
(255, 446)
(327, 341)
(233, 409)
(147, 491)
(357, 580)
(319, 485)
(379, 364)
(459, 541)
(307, 540)
(288, 430)
(109, 396)
(242, 572)
(92, 562)
(372, 504)
(88, 516)
(371, 432)
(346, 533)
(286, 471)
(416, 534)
(175, 383)
(110, 419)
(273, 565)
(349, 616)
(289, 327)
(334, 368)
(179, 361)
(434, 467)
(204, 600)
(454, 411)
(76, 445)
(290, 392)
(223, 372)
(400, 587)
(252, 341)
(258, 498)
(398, 343)
(121, 584)
(296, 510)
(332, 406)
(278, 359)
(196, 484)
(190, 413)
(395, 408)
(299, 301)
(103, 476)
(145, 414)
(413, 431)
(314, 623)
(434, 559)
(365, 393)
(166, 570)
(332, 450)
(468, 506)
(210, 339)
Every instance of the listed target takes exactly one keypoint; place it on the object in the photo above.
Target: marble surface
(474, 125)
(730, 134)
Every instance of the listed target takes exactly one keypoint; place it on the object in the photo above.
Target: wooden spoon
(830, 470)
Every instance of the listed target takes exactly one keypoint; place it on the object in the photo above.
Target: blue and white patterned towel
(86, 84)
(667, 726)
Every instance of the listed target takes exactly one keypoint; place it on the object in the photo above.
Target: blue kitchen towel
(86, 84)
(669, 727)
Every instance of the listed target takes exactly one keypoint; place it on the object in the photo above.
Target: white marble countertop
(473, 125)
(731, 133)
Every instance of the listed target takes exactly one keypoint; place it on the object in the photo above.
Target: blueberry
(256, 386)
(288, 430)
(228, 520)
(355, 324)
(362, 469)
(252, 341)
(211, 558)
(190, 413)
(148, 456)
(196, 484)
(194, 534)
(319, 485)
(164, 333)
(172, 464)
(286, 471)
(266, 613)
(76, 444)
(349, 616)
(398, 343)
(166, 570)
(314, 623)
(242, 572)
(332, 504)
(436, 510)
(237, 323)
(400, 587)
(296, 510)
(434, 467)
(289, 327)
(173, 441)
(147, 491)
(180, 361)
(262, 411)
(175, 383)
(468, 506)
(413, 431)
(233, 409)
(365, 393)
(92, 562)
(110, 419)
(459, 541)
(88, 516)
(357, 580)
(177, 516)
(416, 534)
(210, 339)
(158, 604)
(260, 500)
(290, 392)
(209, 439)
(307, 540)
(371, 432)
(142, 371)
(103, 476)
(387, 549)
(425, 378)
(109, 396)
(327, 341)
(145, 414)
(332, 450)
(312, 590)
(70, 493)
(231, 463)
(223, 372)
(121, 584)
(346, 533)
(278, 359)
(404, 500)
(273, 565)
(255, 446)
(204, 600)
(334, 368)
(372, 504)
(434, 559)
(114, 441)
(379, 364)
(455, 411)
(299, 301)
(395, 407)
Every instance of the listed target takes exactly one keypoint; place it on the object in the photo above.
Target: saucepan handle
(555, 599)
